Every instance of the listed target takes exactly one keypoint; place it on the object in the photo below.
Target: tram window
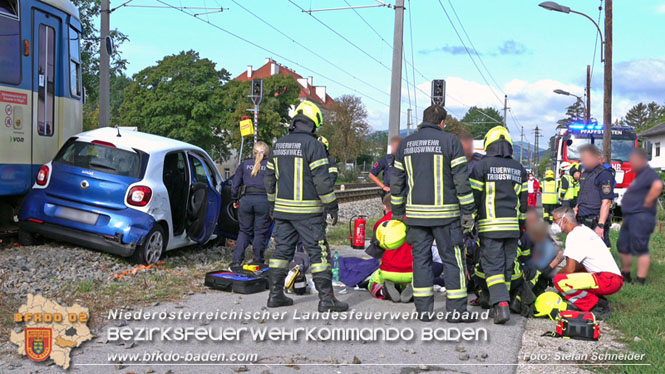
(46, 112)
(10, 42)
(74, 62)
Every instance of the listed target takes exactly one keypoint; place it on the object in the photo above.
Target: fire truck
(567, 141)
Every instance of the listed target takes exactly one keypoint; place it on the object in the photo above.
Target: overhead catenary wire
(469, 52)
(271, 52)
(473, 47)
(301, 45)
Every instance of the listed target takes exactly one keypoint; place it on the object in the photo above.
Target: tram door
(46, 47)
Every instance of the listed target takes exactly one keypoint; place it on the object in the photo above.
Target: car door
(204, 200)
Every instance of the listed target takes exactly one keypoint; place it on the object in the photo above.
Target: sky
(522, 50)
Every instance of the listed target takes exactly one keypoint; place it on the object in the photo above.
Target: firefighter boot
(424, 308)
(327, 300)
(501, 313)
(276, 298)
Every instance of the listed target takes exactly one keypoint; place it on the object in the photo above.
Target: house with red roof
(308, 91)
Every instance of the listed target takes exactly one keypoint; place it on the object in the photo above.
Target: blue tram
(41, 92)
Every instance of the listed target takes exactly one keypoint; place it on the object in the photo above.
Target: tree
(637, 116)
(346, 127)
(280, 93)
(480, 121)
(575, 113)
(376, 145)
(179, 98)
(89, 11)
(454, 126)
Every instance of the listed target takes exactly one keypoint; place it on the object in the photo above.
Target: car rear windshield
(103, 158)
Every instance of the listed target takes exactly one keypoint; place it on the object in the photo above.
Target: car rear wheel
(152, 248)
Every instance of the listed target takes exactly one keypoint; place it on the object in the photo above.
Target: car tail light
(42, 175)
(139, 196)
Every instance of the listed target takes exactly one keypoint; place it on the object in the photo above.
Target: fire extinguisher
(357, 231)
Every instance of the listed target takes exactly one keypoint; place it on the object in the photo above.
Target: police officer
(385, 164)
(567, 187)
(300, 188)
(549, 195)
(249, 196)
(500, 189)
(332, 164)
(430, 190)
(596, 192)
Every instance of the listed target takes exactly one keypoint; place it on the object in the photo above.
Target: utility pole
(505, 109)
(588, 96)
(607, 100)
(521, 144)
(536, 135)
(104, 67)
(408, 121)
(396, 79)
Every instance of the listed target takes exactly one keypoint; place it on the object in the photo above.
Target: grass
(639, 311)
(339, 234)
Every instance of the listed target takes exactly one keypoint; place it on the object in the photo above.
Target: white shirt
(587, 248)
(530, 184)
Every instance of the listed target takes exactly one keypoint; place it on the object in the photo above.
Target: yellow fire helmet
(323, 140)
(391, 234)
(547, 302)
(311, 111)
(549, 174)
(495, 134)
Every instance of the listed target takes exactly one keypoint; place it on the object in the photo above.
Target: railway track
(357, 194)
(353, 186)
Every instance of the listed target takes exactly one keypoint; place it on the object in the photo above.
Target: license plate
(77, 215)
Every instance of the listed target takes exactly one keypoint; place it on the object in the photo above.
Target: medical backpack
(576, 325)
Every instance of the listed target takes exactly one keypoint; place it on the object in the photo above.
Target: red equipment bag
(577, 325)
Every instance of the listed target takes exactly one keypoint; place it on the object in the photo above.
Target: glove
(271, 211)
(332, 209)
(468, 223)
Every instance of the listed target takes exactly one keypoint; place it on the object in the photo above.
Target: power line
(498, 86)
(309, 49)
(595, 45)
(341, 36)
(468, 52)
(270, 51)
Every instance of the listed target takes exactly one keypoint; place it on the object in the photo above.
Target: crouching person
(393, 278)
(590, 272)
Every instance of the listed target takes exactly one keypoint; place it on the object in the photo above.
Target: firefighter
(332, 164)
(549, 196)
(596, 193)
(300, 188)
(576, 173)
(567, 186)
(248, 194)
(387, 165)
(430, 191)
(500, 189)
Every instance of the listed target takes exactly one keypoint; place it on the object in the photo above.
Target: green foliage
(345, 125)
(280, 92)
(644, 116)
(574, 113)
(179, 98)
(480, 121)
(639, 311)
(375, 147)
(545, 163)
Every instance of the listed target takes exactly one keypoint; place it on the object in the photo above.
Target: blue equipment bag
(229, 281)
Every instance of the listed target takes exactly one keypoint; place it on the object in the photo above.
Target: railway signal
(439, 92)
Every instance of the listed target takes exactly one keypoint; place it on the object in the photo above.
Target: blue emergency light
(581, 126)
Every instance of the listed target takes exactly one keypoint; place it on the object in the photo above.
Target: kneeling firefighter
(500, 188)
(300, 188)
